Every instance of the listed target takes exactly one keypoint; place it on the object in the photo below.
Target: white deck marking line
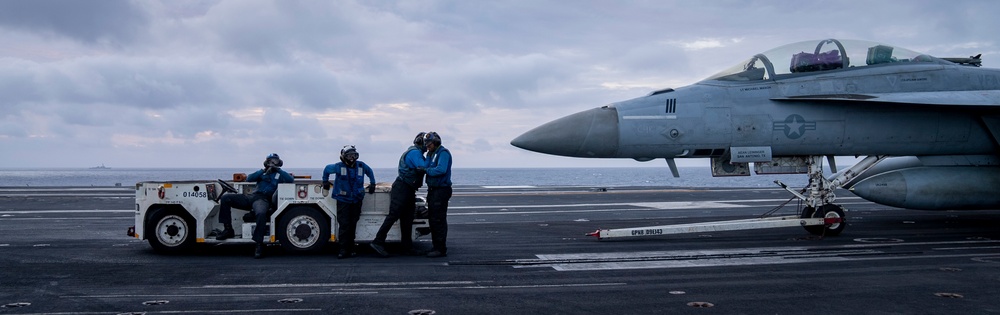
(633, 204)
(313, 285)
(131, 217)
(110, 188)
(643, 207)
(769, 256)
(733, 262)
(265, 310)
(638, 204)
(352, 291)
(93, 195)
(507, 187)
(123, 296)
(65, 211)
(272, 310)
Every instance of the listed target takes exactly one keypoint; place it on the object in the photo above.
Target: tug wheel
(303, 229)
(829, 211)
(170, 231)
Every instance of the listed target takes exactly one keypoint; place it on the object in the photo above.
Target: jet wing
(948, 98)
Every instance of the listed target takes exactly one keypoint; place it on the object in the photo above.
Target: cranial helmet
(419, 140)
(432, 137)
(273, 160)
(349, 153)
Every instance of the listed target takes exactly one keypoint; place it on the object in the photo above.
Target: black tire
(808, 212)
(303, 229)
(828, 211)
(170, 231)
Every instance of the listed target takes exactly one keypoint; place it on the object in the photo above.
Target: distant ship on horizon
(102, 167)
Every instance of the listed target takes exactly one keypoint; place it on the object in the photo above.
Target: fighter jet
(786, 109)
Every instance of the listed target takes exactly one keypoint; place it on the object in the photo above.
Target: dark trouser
(437, 208)
(348, 215)
(402, 204)
(258, 202)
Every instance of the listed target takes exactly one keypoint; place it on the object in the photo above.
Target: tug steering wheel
(226, 187)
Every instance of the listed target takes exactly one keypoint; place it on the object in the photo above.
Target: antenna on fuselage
(673, 167)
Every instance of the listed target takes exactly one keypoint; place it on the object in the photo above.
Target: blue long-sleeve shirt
(439, 168)
(411, 165)
(348, 182)
(267, 183)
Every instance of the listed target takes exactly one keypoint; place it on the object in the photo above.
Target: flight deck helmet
(432, 137)
(349, 154)
(419, 141)
(273, 160)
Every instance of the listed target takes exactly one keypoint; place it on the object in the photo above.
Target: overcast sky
(224, 83)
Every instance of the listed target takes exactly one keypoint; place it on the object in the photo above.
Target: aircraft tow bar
(715, 226)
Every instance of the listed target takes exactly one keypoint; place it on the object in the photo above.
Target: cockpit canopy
(823, 55)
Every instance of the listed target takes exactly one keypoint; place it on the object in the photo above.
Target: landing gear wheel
(829, 211)
(832, 211)
(170, 231)
(303, 229)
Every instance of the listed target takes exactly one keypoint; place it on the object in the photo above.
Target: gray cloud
(19, 87)
(480, 145)
(312, 87)
(93, 21)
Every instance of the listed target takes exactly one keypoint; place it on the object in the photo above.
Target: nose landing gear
(820, 196)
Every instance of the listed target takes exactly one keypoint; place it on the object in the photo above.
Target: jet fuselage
(708, 118)
(848, 98)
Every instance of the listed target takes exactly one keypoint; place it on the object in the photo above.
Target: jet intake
(723, 167)
(934, 188)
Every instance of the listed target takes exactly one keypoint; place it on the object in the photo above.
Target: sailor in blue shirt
(438, 192)
(267, 180)
(349, 191)
(402, 198)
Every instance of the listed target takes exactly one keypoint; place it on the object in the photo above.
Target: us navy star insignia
(794, 126)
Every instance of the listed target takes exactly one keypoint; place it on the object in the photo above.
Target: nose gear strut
(820, 196)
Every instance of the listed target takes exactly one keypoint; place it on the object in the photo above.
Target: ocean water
(592, 177)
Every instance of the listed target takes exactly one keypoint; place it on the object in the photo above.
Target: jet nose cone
(592, 133)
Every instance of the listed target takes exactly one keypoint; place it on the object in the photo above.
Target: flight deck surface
(515, 250)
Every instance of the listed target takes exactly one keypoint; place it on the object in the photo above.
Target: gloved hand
(326, 186)
(272, 165)
(371, 188)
